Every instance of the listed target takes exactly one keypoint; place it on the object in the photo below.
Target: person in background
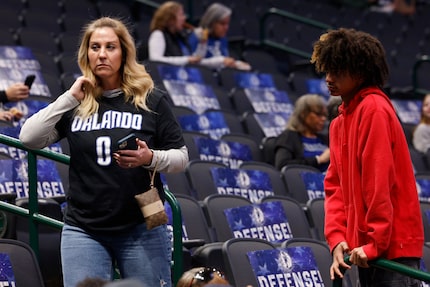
(302, 142)
(14, 93)
(210, 39)
(6, 115)
(421, 134)
(202, 276)
(405, 7)
(371, 202)
(168, 41)
(114, 98)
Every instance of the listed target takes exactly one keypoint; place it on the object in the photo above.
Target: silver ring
(129, 165)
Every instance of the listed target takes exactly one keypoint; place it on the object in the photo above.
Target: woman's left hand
(134, 158)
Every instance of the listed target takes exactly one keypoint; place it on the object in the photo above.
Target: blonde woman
(113, 98)
(168, 41)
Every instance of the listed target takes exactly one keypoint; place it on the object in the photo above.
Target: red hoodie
(371, 195)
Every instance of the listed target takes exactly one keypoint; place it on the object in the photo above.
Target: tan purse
(151, 205)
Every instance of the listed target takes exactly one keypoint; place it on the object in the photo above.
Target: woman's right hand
(324, 157)
(79, 86)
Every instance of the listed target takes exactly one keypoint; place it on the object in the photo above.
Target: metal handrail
(391, 266)
(35, 217)
(416, 90)
(285, 14)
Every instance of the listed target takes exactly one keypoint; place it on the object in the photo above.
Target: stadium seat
(22, 262)
(238, 269)
(199, 175)
(321, 252)
(214, 206)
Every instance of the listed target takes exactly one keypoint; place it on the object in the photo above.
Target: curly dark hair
(354, 52)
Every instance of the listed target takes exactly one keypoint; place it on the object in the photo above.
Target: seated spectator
(421, 134)
(14, 93)
(303, 142)
(168, 41)
(8, 115)
(405, 7)
(210, 39)
(202, 276)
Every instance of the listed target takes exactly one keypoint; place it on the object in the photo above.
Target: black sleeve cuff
(3, 97)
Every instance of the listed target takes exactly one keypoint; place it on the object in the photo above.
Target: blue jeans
(372, 277)
(140, 253)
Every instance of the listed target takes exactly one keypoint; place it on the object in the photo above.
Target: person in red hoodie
(371, 206)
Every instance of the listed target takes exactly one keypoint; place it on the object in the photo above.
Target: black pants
(377, 277)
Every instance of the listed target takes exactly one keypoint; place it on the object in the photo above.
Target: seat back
(200, 177)
(296, 187)
(238, 269)
(425, 214)
(214, 206)
(194, 219)
(296, 215)
(426, 255)
(177, 183)
(25, 267)
(419, 160)
(317, 215)
(321, 252)
(260, 60)
(49, 238)
(267, 146)
(193, 150)
(274, 174)
(245, 140)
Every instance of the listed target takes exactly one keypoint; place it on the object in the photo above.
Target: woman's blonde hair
(304, 105)
(135, 81)
(188, 278)
(164, 15)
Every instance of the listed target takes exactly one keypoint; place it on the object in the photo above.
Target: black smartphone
(29, 80)
(128, 142)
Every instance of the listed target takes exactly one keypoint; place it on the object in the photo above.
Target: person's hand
(324, 157)
(194, 59)
(338, 260)
(358, 257)
(229, 62)
(17, 92)
(241, 65)
(134, 158)
(79, 86)
(6, 116)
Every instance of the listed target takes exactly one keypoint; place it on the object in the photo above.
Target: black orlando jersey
(101, 194)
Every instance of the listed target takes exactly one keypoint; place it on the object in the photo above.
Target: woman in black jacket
(303, 142)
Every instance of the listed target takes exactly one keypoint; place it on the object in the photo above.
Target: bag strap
(152, 175)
